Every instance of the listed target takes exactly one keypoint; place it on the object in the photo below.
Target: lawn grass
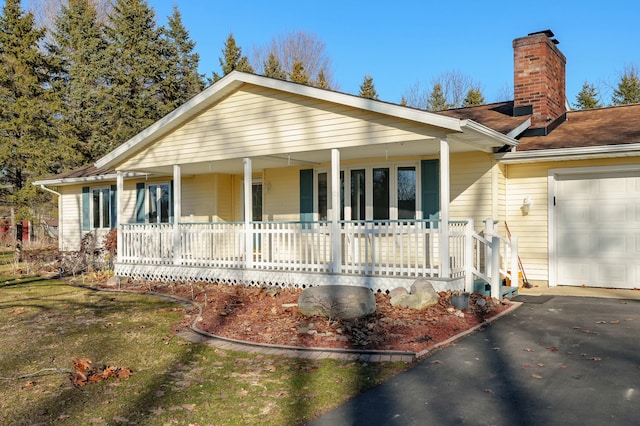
(45, 324)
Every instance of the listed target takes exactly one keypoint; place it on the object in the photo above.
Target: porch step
(483, 288)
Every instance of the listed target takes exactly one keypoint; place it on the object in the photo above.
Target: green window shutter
(306, 195)
(140, 194)
(86, 208)
(430, 182)
(113, 200)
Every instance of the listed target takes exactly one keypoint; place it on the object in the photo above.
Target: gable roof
(467, 131)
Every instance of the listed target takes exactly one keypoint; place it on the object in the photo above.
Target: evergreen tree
(80, 48)
(474, 98)
(29, 148)
(135, 72)
(437, 101)
(298, 74)
(232, 59)
(587, 98)
(181, 80)
(628, 90)
(368, 89)
(272, 68)
(321, 81)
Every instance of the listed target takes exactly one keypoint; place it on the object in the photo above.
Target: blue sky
(402, 42)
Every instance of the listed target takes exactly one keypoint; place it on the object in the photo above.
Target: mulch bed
(270, 315)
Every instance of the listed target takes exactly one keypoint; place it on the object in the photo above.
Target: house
(259, 180)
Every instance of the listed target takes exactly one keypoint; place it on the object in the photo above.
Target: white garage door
(597, 220)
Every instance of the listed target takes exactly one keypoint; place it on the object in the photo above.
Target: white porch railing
(376, 248)
(149, 243)
(495, 258)
(292, 246)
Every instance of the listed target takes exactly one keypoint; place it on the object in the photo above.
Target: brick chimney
(539, 80)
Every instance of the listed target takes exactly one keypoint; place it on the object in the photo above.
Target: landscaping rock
(460, 301)
(398, 291)
(337, 302)
(422, 296)
(114, 281)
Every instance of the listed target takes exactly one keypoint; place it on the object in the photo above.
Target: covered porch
(378, 254)
(361, 196)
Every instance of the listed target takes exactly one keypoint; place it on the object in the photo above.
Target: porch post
(248, 214)
(445, 267)
(119, 210)
(177, 214)
(336, 245)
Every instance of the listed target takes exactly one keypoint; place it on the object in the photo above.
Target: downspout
(60, 239)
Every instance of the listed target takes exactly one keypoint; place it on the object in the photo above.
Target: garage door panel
(610, 246)
(608, 273)
(598, 230)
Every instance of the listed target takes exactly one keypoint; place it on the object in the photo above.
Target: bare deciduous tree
(46, 13)
(454, 84)
(297, 47)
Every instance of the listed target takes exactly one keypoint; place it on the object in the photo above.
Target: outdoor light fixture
(526, 205)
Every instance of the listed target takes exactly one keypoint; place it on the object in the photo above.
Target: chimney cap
(548, 33)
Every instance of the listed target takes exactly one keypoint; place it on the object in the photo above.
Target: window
(154, 202)
(158, 205)
(323, 196)
(358, 195)
(406, 192)
(375, 193)
(100, 208)
(256, 201)
(381, 194)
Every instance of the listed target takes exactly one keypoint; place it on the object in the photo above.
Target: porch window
(358, 195)
(375, 193)
(154, 202)
(323, 196)
(406, 192)
(158, 206)
(381, 194)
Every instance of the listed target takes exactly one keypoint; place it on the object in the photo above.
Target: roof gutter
(87, 179)
(563, 154)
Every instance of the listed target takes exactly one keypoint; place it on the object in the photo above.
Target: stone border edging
(371, 355)
(513, 307)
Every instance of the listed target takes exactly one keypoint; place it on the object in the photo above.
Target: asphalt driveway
(566, 361)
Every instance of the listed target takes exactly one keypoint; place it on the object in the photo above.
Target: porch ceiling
(421, 148)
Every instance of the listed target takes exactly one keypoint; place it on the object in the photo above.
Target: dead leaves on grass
(84, 374)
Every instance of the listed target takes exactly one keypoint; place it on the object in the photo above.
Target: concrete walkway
(557, 360)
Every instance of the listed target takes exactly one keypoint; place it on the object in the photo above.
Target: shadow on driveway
(568, 360)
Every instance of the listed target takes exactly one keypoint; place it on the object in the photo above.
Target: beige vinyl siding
(199, 198)
(223, 200)
(281, 194)
(71, 220)
(471, 187)
(256, 121)
(532, 228)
